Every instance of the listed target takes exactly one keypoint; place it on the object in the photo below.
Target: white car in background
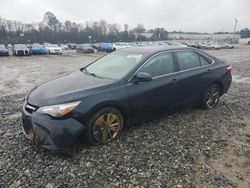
(213, 46)
(120, 45)
(53, 49)
(64, 47)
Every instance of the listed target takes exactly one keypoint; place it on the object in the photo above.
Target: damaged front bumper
(52, 134)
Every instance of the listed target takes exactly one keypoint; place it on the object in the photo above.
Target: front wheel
(211, 97)
(104, 126)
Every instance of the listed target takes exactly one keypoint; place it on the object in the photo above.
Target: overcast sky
(184, 15)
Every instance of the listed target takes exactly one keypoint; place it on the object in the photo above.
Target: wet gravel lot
(190, 148)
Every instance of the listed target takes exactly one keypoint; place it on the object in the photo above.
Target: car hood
(67, 88)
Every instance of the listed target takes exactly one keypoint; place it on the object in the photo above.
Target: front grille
(30, 108)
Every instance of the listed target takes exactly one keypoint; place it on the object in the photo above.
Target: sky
(179, 15)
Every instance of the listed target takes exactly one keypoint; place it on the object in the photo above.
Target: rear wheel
(104, 126)
(211, 97)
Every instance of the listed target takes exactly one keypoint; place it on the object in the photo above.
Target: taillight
(229, 68)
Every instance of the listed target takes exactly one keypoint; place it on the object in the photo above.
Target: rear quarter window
(206, 58)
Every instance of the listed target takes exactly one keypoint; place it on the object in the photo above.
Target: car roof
(150, 50)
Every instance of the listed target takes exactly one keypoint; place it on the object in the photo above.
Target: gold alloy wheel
(106, 127)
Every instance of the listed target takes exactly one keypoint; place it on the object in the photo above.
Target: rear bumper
(52, 134)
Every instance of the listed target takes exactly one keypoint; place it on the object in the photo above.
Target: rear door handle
(208, 70)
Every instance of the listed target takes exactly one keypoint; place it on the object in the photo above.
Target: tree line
(51, 30)
(245, 33)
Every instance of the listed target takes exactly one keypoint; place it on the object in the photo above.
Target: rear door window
(187, 60)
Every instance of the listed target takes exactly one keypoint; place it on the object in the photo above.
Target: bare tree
(139, 28)
(103, 26)
(50, 20)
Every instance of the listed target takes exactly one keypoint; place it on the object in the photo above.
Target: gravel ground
(190, 148)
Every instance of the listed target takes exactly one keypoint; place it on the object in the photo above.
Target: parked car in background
(193, 44)
(213, 46)
(38, 49)
(3, 50)
(21, 50)
(120, 45)
(85, 48)
(105, 47)
(64, 47)
(226, 45)
(95, 46)
(72, 46)
(53, 49)
(10, 47)
(204, 45)
(120, 89)
(178, 44)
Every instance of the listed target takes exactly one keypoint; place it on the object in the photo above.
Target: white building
(218, 37)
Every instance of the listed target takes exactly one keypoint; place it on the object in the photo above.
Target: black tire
(211, 97)
(89, 133)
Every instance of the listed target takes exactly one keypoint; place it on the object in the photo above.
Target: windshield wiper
(92, 74)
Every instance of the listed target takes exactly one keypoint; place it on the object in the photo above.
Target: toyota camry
(130, 85)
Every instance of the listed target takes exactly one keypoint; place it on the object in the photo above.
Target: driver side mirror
(142, 77)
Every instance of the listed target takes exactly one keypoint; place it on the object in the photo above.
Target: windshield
(2, 47)
(52, 45)
(115, 65)
(20, 46)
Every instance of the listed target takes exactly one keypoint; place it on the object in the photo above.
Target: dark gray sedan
(119, 89)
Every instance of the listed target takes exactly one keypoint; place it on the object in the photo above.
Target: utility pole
(236, 21)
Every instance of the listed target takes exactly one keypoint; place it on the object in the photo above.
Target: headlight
(58, 110)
